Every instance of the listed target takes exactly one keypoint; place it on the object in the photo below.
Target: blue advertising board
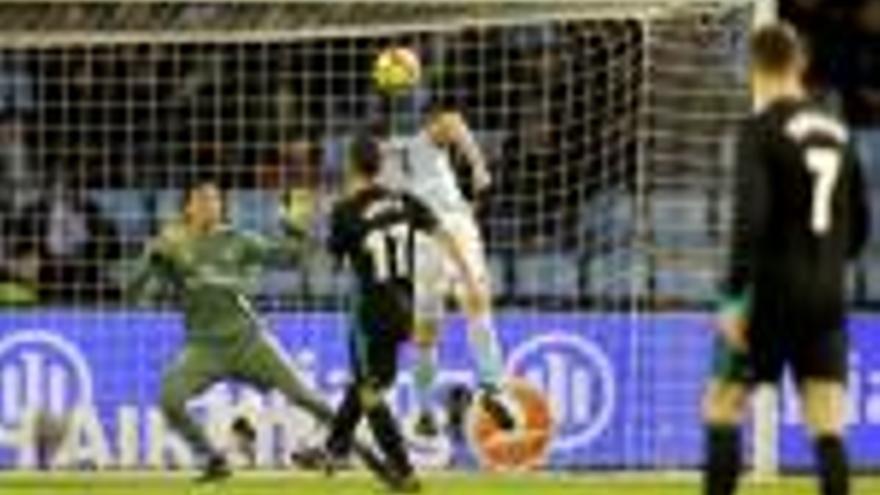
(624, 391)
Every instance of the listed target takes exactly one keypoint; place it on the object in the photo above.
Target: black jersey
(375, 231)
(799, 215)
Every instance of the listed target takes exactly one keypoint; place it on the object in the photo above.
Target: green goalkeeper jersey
(211, 277)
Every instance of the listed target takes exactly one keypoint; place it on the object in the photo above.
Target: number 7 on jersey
(824, 165)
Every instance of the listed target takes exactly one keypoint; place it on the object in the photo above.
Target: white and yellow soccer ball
(396, 70)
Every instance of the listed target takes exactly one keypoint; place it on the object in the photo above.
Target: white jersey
(416, 165)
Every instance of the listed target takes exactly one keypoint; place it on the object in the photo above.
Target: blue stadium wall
(625, 390)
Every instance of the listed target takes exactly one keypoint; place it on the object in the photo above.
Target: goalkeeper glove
(296, 209)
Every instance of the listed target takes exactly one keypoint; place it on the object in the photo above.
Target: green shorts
(819, 357)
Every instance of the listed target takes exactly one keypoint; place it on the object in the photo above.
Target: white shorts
(437, 276)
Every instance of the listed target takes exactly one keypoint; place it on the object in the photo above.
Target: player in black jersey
(374, 230)
(799, 215)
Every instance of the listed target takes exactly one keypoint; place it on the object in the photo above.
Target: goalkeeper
(211, 268)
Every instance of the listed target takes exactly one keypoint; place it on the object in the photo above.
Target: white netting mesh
(604, 123)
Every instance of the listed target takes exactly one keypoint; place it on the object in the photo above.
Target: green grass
(441, 484)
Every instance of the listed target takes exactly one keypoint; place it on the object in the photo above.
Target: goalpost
(604, 123)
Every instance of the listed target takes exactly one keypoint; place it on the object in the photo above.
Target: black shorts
(381, 321)
(821, 356)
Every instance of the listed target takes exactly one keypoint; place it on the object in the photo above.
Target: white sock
(485, 350)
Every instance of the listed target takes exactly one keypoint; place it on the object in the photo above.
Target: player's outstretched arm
(154, 262)
(295, 211)
(136, 285)
(145, 271)
(463, 139)
(750, 211)
(287, 248)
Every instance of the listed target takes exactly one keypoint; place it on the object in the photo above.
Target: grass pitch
(275, 483)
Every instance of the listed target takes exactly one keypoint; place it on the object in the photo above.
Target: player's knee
(824, 408)
(724, 403)
(823, 423)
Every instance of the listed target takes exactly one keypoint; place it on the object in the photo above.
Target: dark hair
(366, 155)
(776, 48)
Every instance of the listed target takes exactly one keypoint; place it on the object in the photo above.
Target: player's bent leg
(724, 404)
(487, 354)
(431, 286)
(340, 441)
(482, 336)
(348, 415)
(376, 365)
(387, 434)
(185, 379)
(824, 404)
(265, 364)
(191, 374)
(824, 409)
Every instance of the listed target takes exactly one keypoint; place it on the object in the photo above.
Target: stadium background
(607, 139)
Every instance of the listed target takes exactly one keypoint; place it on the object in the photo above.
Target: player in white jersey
(421, 165)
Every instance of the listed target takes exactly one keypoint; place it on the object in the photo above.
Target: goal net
(605, 124)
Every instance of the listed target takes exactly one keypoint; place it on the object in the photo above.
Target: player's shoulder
(798, 120)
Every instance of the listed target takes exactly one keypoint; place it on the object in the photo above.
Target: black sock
(344, 423)
(389, 438)
(721, 471)
(832, 464)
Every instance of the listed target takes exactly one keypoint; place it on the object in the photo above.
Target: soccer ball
(396, 69)
(527, 446)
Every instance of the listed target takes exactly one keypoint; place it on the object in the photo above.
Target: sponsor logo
(40, 371)
(577, 378)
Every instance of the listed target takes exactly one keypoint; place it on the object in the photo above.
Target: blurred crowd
(845, 39)
(81, 124)
(94, 139)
